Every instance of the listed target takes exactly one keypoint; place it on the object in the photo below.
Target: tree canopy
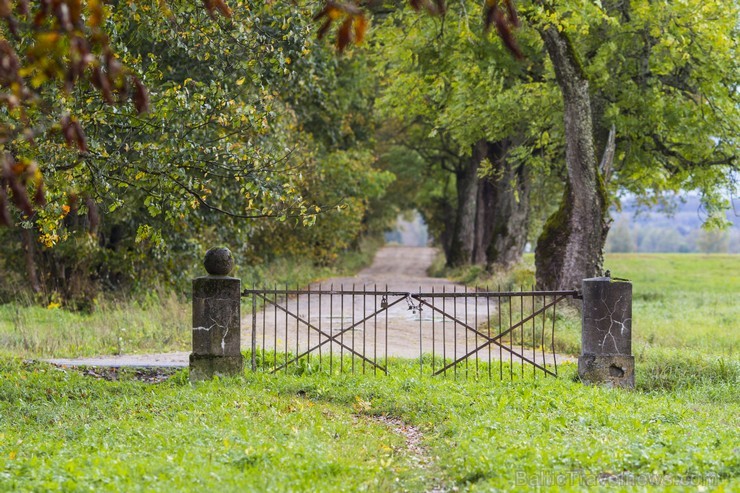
(138, 130)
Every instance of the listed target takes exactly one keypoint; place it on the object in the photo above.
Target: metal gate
(447, 332)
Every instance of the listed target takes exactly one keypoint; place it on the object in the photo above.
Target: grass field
(679, 430)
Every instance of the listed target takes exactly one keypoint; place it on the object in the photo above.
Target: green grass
(261, 432)
(62, 431)
(304, 430)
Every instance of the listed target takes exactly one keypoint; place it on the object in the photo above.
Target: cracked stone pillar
(216, 319)
(606, 334)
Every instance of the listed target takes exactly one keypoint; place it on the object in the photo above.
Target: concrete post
(216, 319)
(606, 334)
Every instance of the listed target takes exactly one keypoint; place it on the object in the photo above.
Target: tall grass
(157, 320)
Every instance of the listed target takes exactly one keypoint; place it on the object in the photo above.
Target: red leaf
(511, 10)
(20, 196)
(5, 218)
(38, 197)
(67, 130)
(141, 96)
(61, 11)
(223, 8)
(22, 7)
(80, 139)
(344, 36)
(505, 33)
(360, 28)
(324, 29)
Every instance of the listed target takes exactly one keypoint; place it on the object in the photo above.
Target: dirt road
(392, 308)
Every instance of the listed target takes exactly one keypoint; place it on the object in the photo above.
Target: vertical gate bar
(454, 315)
(511, 341)
(421, 360)
(364, 325)
(254, 329)
(488, 333)
(476, 328)
(444, 329)
(500, 347)
(308, 328)
(264, 325)
(331, 329)
(274, 328)
(434, 345)
(386, 331)
(341, 329)
(321, 301)
(534, 339)
(375, 331)
(353, 329)
(285, 344)
(554, 358)
(542, 339)
(467, 349)
(521, 317)
(297, 322)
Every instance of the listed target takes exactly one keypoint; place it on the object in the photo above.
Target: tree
(683, 84)
(476, 139)
(228, 140)
(661, 81)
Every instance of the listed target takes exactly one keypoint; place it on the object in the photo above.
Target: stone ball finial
(219, 261)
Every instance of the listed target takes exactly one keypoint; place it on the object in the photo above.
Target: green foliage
(445, 87)
(254, 135)
(668, 67)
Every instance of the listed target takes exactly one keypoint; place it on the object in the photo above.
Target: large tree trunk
(502, 221)
(463, 237)
(571, 244)
(484, 218)
(30, 260)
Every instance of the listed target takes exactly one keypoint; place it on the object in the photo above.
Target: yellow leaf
(240, 81)
(47, 41)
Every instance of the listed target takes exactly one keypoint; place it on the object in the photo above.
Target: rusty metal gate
(449, 332)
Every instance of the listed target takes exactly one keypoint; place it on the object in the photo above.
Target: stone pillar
(606, 333)
(216, 319)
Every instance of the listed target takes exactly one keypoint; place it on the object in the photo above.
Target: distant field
(689, 301)
(683, 272)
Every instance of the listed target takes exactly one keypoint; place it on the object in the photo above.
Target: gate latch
(412, 307)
